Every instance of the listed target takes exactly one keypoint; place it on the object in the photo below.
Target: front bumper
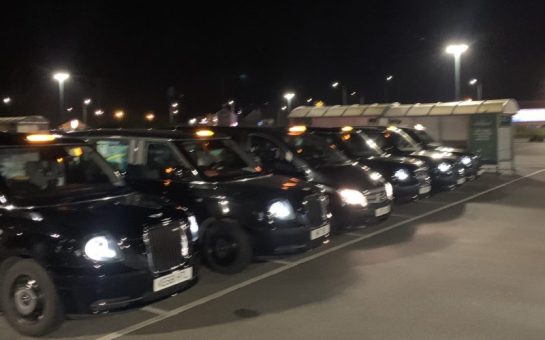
(85, 292)
(408, 192)
(289, 238)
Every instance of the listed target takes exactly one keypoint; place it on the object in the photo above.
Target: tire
(38, 310)
(226, 248)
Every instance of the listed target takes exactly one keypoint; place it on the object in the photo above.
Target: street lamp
(119, 114)
(289, 96)
(6, 100)
(61, 77)
(309, 100)
(479, 86)
(457, 51)
(336, 84)
(99, 113)
(388, 79)
(149, 116)
(86, 103)
(232, 105)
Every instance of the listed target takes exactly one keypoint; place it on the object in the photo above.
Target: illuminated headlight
(193, 227)
(401, 175)
(281, 210)
(184, 242)
(444, 167)
(466, 160)
(389, 190)
(375, 176)
(102, 249)
(352, 197)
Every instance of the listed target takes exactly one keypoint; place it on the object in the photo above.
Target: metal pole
(61, 101)
(289, 106)
(345, 98)
(84, 111)
(457, 62)
(480, 91)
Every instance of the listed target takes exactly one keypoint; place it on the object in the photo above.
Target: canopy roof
(503, 106)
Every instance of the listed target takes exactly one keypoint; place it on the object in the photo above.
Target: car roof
(19, 139)
(178, 133)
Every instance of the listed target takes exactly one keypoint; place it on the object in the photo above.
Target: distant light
(74, 124)
(309, 100)
(231, 102)
(419, 127)
(529, 115)
(319, 103)
(347, 128)
(69, 109)
(119, 114)
(284, 108)
(149, 116)
(99, 112)
(389, 77)
(175, 112)
(289, 95)
(353, 93)
(174, 105)
(297, 130)
(335, 84)
(6, 100)
(61, 76)
(473, 81)
(87, 101)
(192, 121)
(456, 49)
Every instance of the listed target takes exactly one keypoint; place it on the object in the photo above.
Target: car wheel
(227, 248)
(29, 299)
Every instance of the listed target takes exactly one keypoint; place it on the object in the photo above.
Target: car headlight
(401, 175)
(466, 160)
(444, 167)
(184, 241)
(102, 249)
(389, 190)
(375, 176)
(193, 227)
(352, 197)
(281, 210)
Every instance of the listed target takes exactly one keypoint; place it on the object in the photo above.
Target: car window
(266, 150)
(160, 156)
(116, 153)
(315, 149)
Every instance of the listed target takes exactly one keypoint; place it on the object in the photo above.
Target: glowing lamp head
(456, 49)
(204, 133)
(296, 130)
(61, 76)
(289, 95)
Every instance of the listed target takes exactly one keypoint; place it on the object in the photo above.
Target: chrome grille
(317, 209)
(164, 246)
(376, 195)
(422, 176)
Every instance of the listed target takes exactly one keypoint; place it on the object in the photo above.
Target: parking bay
(465, 264)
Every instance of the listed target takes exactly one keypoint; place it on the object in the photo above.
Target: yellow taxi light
(36, 138)
(297, 130)
(204, 133)
(75, 152)
(347, 128)
(392, 128)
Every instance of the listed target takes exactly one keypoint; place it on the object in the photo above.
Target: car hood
(389, 163)
(434, 157)
(347, 176)
(121, 216)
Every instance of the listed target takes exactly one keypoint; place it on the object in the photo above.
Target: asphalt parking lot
(461, 264)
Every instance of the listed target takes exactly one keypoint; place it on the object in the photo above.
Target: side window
(160, 156)
(116, 153)
(267, 151)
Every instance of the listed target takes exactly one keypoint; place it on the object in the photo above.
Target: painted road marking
(282, 269)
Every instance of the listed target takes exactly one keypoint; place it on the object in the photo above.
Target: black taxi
(242, 211)
(446, 169)
(408, 175)
(74, 239)
(358, 195)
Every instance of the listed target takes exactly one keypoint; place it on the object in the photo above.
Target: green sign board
(483, 136)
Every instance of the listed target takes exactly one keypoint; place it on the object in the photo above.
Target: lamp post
(232, 105)
(61, 77)
(173, 110)
(289, 96)
(457, 51)
(387, 82)
(344, 97)
(86, 103)
(479, 86)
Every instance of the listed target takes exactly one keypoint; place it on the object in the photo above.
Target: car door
(272, 156)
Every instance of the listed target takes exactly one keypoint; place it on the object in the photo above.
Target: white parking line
(278, 261)
(154, 310)
(402, 215)
(352, 234)
(279, 270)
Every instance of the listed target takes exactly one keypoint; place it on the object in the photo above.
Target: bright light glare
(389, 190)
(174, 105)
(289, 95)
(204, 133)
(61, 76)
(74, 124)
(309, 100)
(119, 114)
(352, 197)
(401, 175)
(99, 113)
(231, 102)
(444, 167)
(149, 117)
(193, 227)
(87, 101)
(100, 249)
(40, 138)
(466, 160)
(297, 129)
(335, 84)
(473, 81)
(456, 49)
(192, 121)
(6, 100)
(281, 210)
(347, 128)
(375, 176)
(419, 127)
(390, 77)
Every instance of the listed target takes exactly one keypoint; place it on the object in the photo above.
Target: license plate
(383, 211)
(320, 232)
(172, 279)
(480, 172)
(461, 180)
(424, 190)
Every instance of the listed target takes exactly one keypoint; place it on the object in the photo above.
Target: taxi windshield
(358, 144)
(421, 136)
(315, 149)
(219, 158)
(402, 140)
(41, 175)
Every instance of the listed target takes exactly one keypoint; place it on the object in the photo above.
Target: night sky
(126, 55)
